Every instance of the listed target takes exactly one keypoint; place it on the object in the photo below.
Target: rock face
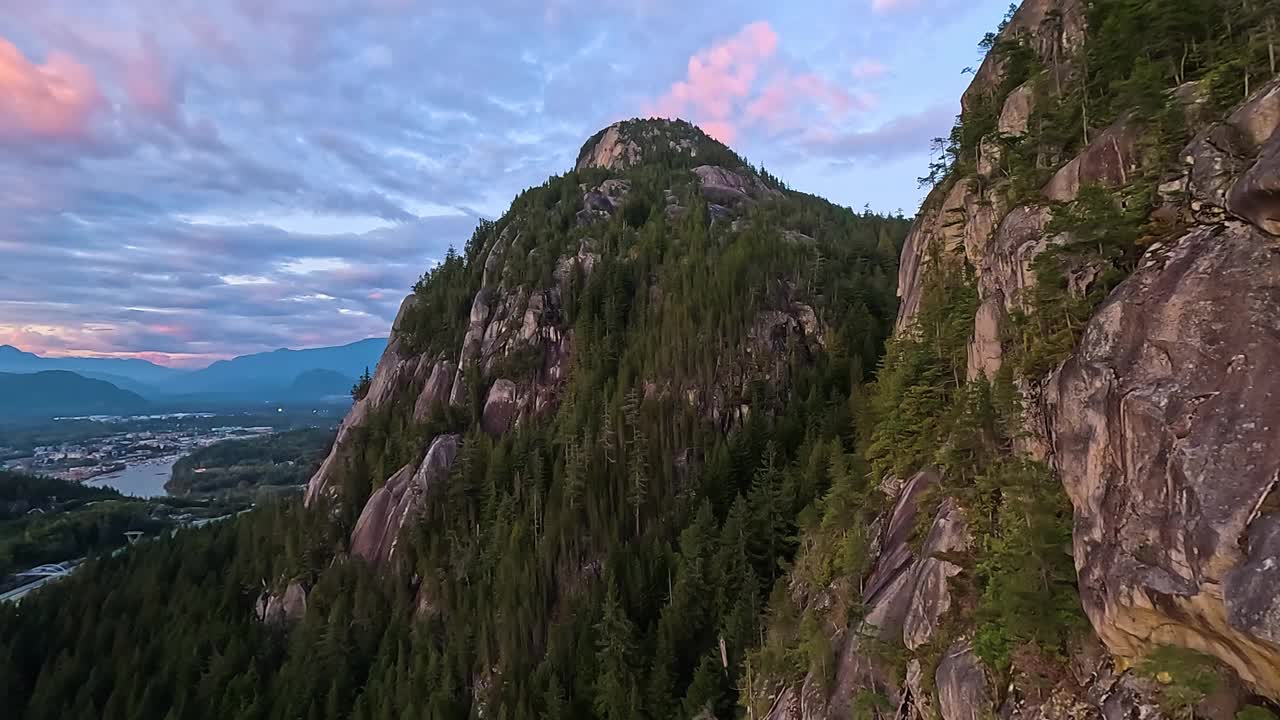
(397, 501)
(622, 145)
(1164, 431)
(611, 152)
(280, 608)
(906, 597)
(1163, 426)
(1111, 159)
(397, 370)
(1164, 423)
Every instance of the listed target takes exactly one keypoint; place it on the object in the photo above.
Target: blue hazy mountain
(117, 371)
(279, 374)
(276, 371)
(51, 393)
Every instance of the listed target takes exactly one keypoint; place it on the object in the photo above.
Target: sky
(186, 180)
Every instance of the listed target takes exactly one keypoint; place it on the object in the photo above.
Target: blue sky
(184, 180)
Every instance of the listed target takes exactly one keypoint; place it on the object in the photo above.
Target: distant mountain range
(50, 393)
(315, 374)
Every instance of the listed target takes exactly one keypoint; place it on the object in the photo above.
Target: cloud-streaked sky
(185, 180)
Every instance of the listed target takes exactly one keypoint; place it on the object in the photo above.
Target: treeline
(286, 458)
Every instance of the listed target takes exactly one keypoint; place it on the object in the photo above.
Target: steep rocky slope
(1118, 296)
(586, 445)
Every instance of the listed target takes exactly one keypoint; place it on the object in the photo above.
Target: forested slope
(661, 442)
(567, 490)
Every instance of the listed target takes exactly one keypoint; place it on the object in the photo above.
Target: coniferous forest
(631, 554)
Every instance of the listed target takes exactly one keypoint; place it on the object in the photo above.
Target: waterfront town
(86, 458)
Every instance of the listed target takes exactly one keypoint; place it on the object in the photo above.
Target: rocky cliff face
(1161, 424)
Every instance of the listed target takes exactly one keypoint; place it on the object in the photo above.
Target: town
(86, 458)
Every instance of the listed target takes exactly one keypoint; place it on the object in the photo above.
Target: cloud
(868, 69)
(50, 101)
(149, 157)
(902, 135)
(718, 78)
(741, 83)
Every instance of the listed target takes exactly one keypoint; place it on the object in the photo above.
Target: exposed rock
(396, 371)
(905, 596)
(603, 201)
(1005, 276)
(435, 394)
(280, 608)
(391, 506)
(963, 693)
(990, 156)
(1054, 29)
(1164, 435)
(1016, 113)
(1252, 589)
(611, 152)
(931, 597)
(1221, 154)
(1110, 159)
(940, 227)
(729, 188)
(1256, 196)
(499, 407)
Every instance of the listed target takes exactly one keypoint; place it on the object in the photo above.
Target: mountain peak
(629, 143)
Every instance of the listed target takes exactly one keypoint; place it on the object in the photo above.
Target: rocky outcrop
(612, 151)
(1004, 273)
(1054, 29)
(1164, 434)
(1111, 160)
(623, 145)
(396, 372)
(499, 407)
(728, 188)
(906, 596)
(284, 607)
(956, 218)
(399, 500)
(435, 393)
(1163, 425)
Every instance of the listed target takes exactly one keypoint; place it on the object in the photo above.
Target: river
(145, 479)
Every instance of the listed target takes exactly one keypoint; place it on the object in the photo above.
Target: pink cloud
(718, 78)
(869, 70)
(741, 82)
(91, 340)
(790, 100)
(53, 101)
(150, 82)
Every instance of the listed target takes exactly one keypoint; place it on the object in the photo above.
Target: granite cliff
(1118, 302)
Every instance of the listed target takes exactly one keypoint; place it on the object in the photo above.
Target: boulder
(1224, 152)
(1256, 196)
(729, 188)
(1016, 113)
(500, 407)
(1110, 159)
(1164, 428)
(281, 608)
(393, 505)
